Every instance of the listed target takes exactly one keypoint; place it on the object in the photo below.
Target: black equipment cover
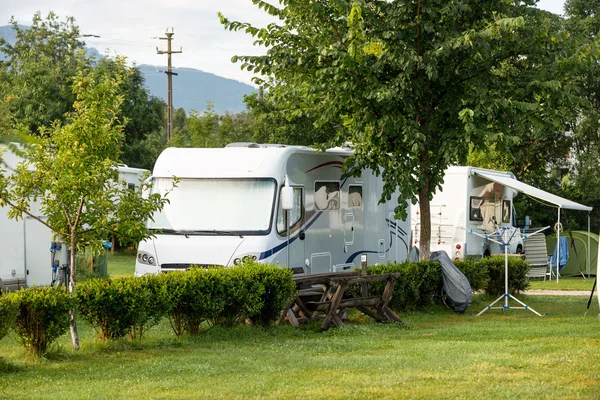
(456, 285)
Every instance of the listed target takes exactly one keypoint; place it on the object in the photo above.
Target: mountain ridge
(193, 89)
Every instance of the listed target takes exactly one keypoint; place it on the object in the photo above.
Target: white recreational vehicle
(469, 201)
(227, 207)
(32, 256)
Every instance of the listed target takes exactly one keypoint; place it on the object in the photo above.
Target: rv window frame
(297, 224)
(339, 194)
(480, 219)
(362, 199)
(264, 232)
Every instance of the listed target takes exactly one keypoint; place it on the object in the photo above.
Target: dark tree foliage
(35, 79)
(416, 84)
(274, 125)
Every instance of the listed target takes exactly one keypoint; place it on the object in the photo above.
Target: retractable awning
(549, 198)
(535, 192)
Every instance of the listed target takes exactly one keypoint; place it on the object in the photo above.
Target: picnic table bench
(321, 296)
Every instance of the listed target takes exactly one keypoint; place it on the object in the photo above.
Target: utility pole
(169, 73)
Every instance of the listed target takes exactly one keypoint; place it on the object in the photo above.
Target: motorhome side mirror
(287, 198)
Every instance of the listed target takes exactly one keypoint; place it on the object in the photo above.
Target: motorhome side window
(506, 211)
(355, 196)
(131, 186)
(475, 208)
(295, 214)
(327, 195)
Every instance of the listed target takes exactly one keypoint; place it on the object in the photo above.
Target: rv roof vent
(244, 144)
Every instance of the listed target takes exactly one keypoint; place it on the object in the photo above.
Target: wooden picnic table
(321, 296)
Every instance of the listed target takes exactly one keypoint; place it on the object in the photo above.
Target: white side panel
(12, 262)
(37, 253)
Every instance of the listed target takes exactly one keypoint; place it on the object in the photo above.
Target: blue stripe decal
(353, 256)
(284, 244)
(394, 225)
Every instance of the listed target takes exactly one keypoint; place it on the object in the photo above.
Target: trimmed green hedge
(277, 290)
(198, 296)
(42, 315)
(414, 289)
(219, 296)
(419, 282)
(225, 296)
(495, 267)
(8, 313)
(123, 306)
(475, 272)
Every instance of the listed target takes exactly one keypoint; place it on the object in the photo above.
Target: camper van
(469, 206)
(226, 207)
(32, 256)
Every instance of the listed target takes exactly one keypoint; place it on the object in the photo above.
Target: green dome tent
(578, 256)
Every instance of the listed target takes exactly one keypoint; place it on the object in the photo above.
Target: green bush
(198, 296)
(122, 306)
(517, 274)
(475, 272)
(414, 289)
(223, 296)
(242, 296)
(277, 290)
(8, 312)
(42, 315)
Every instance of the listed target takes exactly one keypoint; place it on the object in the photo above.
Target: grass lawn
(510, 354)
(121, 264)
(565, 283)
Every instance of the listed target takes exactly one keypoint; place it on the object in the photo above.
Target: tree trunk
(425, 211)
(74, 334)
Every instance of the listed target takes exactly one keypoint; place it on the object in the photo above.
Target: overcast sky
(132, 28)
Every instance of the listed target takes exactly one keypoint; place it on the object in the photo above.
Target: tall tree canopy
(415, 83)
(35, 78)
(274, 125)
(583, 180)
(35, 84)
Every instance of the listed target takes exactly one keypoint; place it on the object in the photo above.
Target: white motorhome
(470, 205)
(227, 207)
(31, 255)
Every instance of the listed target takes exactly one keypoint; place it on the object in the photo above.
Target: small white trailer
(32, 256)
(467, 201)
(227, 207)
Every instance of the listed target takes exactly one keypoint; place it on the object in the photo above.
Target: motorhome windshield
(215, 206)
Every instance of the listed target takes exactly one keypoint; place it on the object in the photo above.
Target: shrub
(117, 307)
(42, 315)
(277, 290)
(517, 274)
(414, 289)
(241, 295)
(198, 296)
(8, 312)
(475, 271)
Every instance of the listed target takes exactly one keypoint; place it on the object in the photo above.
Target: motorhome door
(294, 235)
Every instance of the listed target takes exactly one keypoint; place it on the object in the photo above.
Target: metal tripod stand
(503, 234)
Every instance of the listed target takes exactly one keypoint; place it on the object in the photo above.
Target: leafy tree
(274, 125)
(583, 180)
(210, 129)
(144, 114)
(35, 77)
(72, 172)
(414, 83)
(35, 85)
